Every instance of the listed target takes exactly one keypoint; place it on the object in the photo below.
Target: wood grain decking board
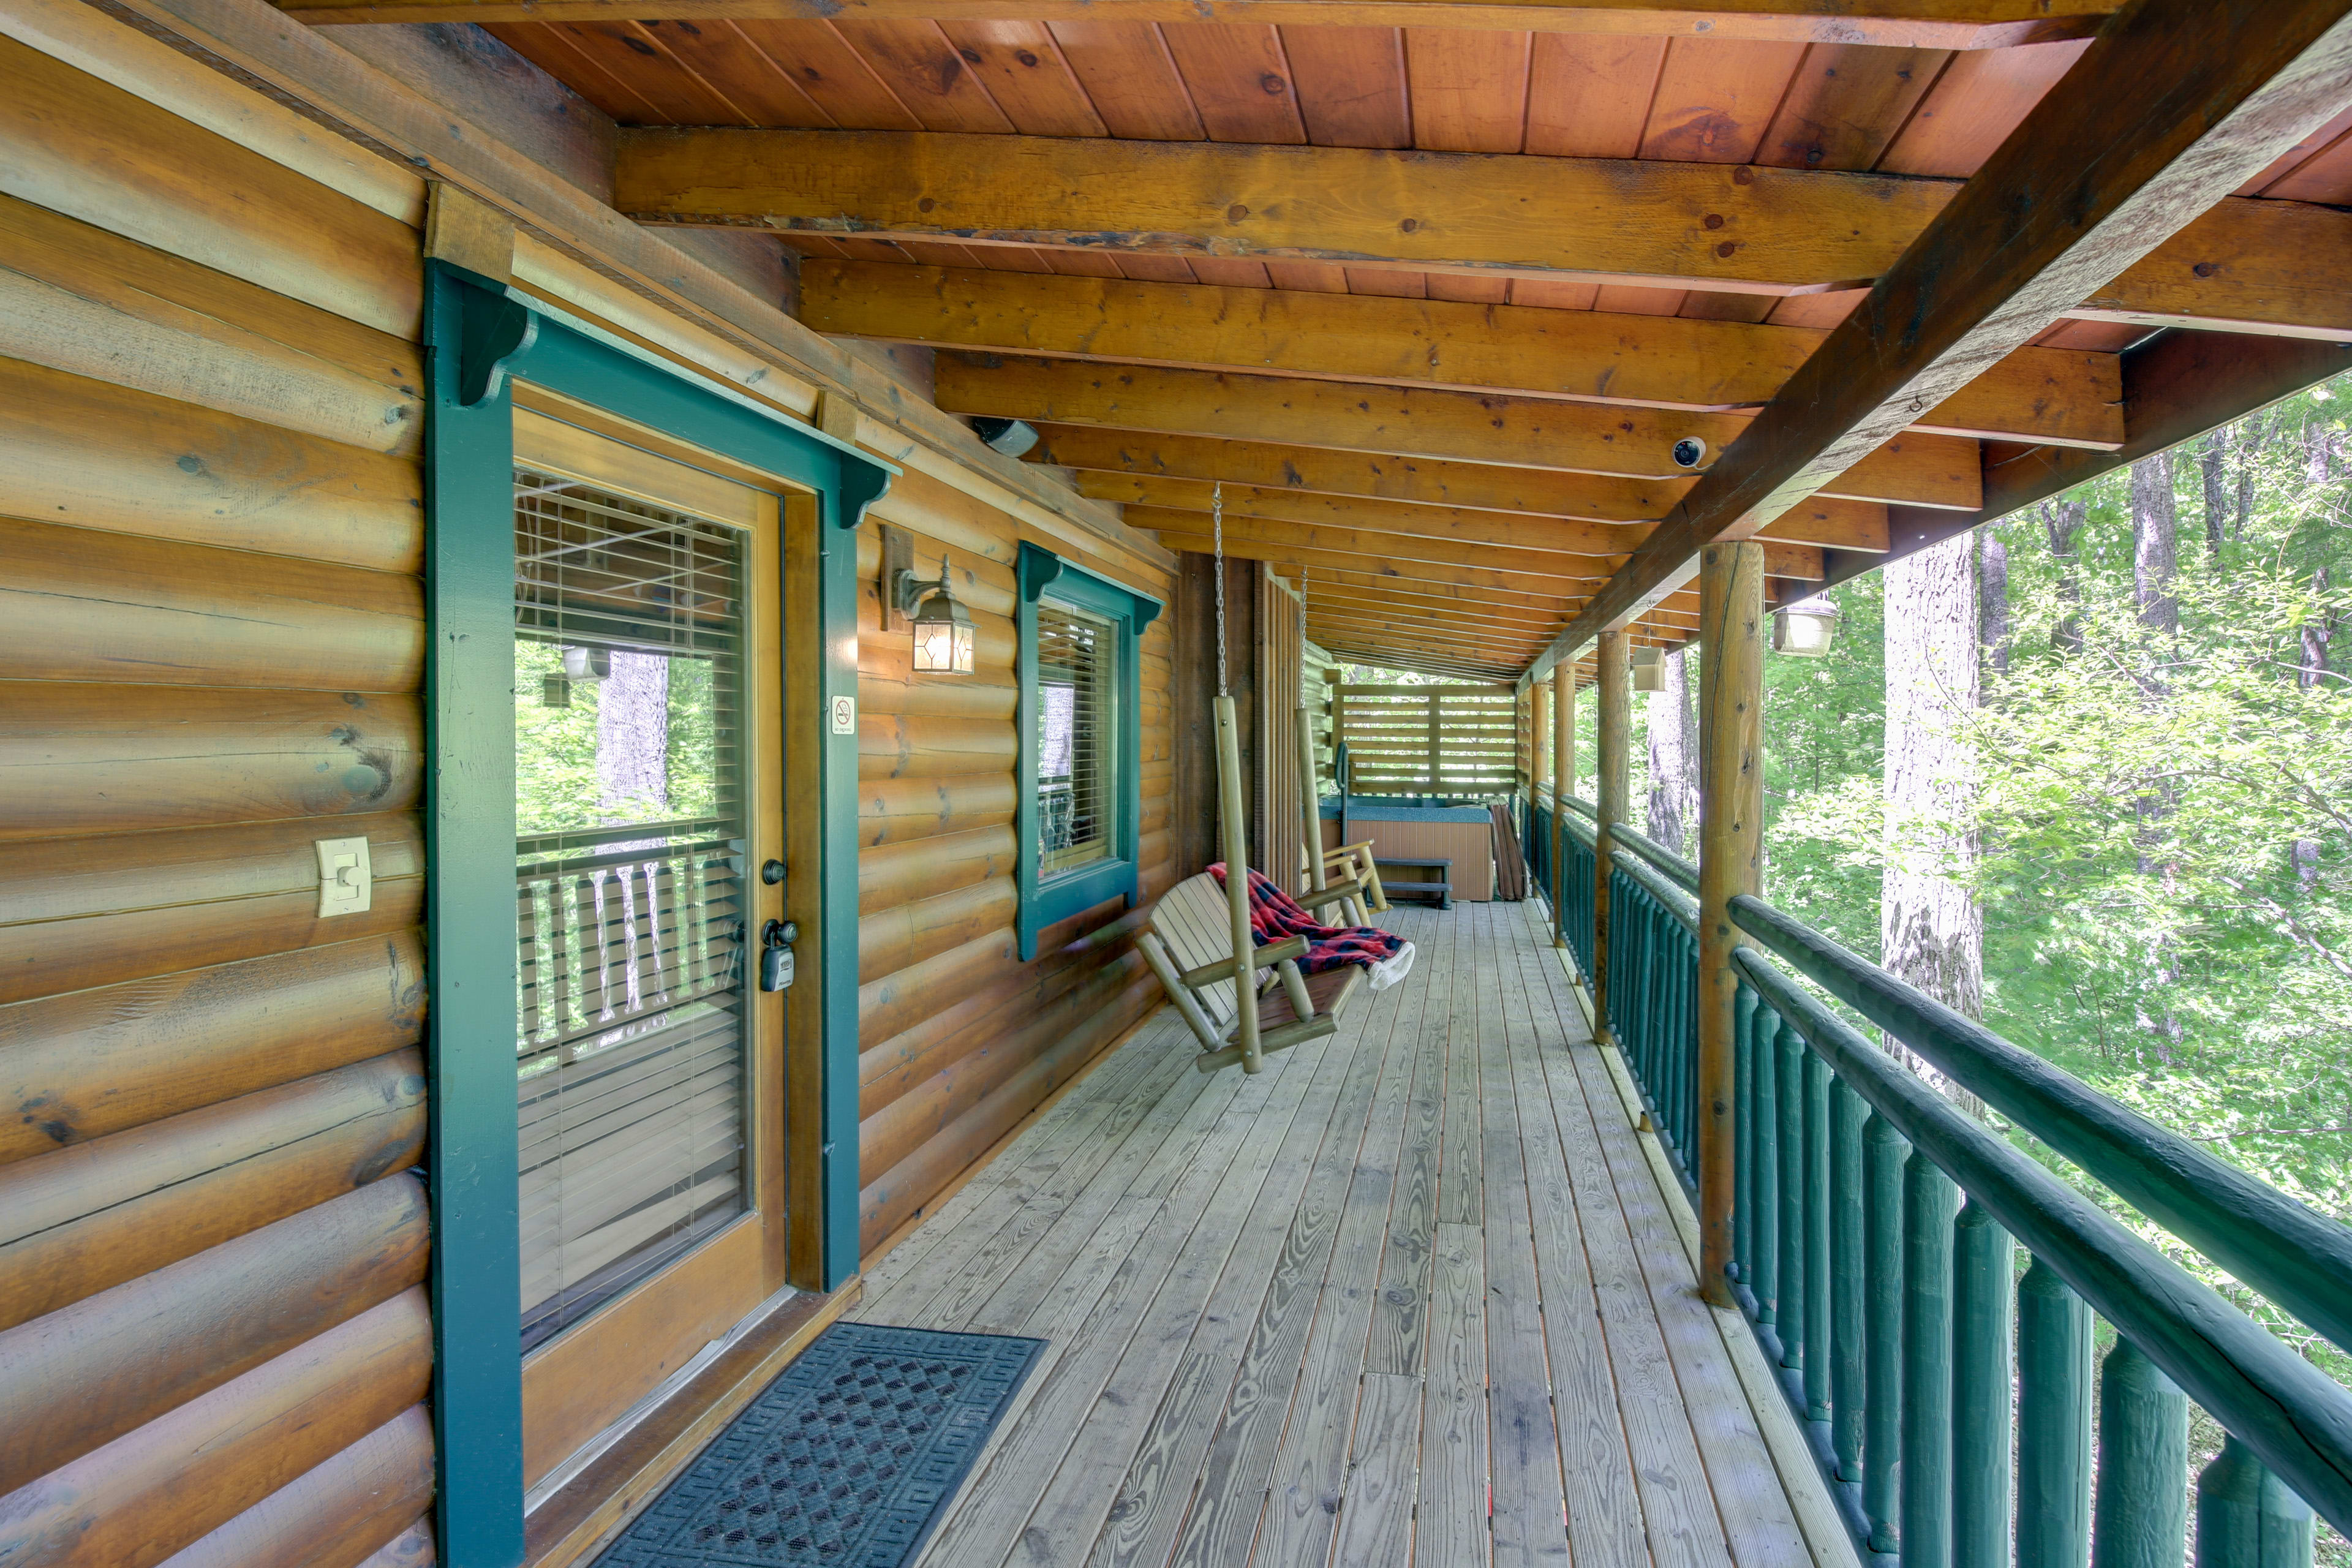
(1414, 1295)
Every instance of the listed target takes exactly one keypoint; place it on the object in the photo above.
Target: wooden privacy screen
(1280, 826)
(1429, 740)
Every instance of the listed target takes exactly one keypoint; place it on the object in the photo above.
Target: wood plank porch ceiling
(1195, 251)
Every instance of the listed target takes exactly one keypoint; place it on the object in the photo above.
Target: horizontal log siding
(211, 642)
(958, 1040)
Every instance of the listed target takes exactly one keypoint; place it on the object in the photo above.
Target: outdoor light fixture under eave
(1806, 627)
(943, 628)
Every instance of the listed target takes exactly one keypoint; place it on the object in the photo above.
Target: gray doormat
(844, 1461)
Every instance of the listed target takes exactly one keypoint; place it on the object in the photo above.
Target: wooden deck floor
(1414, 1294)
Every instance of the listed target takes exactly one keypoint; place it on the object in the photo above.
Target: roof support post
(1616, 733)
(1730, 862)
(1564, 778)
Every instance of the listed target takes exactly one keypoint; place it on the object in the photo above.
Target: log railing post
(1730, 861)
(1616, 730)
(1563, 779)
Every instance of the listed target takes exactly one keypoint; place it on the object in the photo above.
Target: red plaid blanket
(1276, 916)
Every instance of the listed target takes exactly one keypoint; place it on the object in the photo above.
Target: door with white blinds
(647, 803)
(1077, 655)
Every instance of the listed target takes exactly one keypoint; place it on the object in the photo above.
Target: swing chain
(1217, 514)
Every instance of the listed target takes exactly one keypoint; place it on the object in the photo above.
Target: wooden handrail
(2298, 1257)
(2293, 1415)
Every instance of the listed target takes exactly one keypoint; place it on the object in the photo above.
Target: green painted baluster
(1789, 1073)
(1743, 1201)
(2140, 1519)
(1984, 1274)
(2246, 1518)
(1685, 976)
(1928, 1201)
(1885, 1154)
(1767, 1283)
(2053, 1423)
(1817, 1237)
(1848, 1272)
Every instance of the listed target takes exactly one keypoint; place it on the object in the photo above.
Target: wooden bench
(1440, 886)
(1189, 943)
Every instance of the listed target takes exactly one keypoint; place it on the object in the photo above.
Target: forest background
(2087, 774)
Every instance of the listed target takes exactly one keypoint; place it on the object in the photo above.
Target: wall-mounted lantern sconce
(1806, 627)
(943, 628)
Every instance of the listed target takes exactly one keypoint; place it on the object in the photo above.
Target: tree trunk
(1992, 589)
(632, 736)
(2063, 522)
(2251, 432)
(1931, 929)
(2317, 633)
(2210, 458)
(1673, 817)
(2156, 525)
(2155, 530)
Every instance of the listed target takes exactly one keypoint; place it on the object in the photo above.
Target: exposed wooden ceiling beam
(1322, 579)
(2175, 104)
(1495, 540)
(1915, 24)
(1695, 225)
(1839, 525)
(1916, 470)
(1502, 649)
(1486, 487)
(2067, 396)
(1457, 573)
(1574, 572)
(1761, 230)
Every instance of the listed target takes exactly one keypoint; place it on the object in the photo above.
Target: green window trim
(1045, 901)
(479, 333)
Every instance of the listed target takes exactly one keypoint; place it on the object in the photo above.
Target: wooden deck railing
(1950, 1403)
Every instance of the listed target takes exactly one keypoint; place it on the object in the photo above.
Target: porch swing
(1244, 1011)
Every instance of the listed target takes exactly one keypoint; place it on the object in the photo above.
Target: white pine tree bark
(1672, 816)
(1930, 926)
(632, 736)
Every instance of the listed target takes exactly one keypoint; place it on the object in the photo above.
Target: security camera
(1689, 452)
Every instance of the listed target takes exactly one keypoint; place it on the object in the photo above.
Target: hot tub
(1403, 828)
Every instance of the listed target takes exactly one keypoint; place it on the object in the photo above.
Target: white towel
(1389, 971)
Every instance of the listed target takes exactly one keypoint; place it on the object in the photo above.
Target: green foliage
(2165, 819)
(557, 786)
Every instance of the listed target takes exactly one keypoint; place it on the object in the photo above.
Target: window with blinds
(1078, 658)
(632, 1001)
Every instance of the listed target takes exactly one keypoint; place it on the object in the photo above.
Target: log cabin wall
(214, 1335)
(960, 1042)
(213, 1236)
(1262, 673)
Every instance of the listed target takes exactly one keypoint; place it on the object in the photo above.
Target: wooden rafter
(1837, 525)
(2064, 396)
(1686, 225)
(1917, 24)
(1913, 469)
(1486, 487)
(1515, 544)
(2174, 105)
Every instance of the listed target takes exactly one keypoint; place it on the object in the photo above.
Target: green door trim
(480, 334)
